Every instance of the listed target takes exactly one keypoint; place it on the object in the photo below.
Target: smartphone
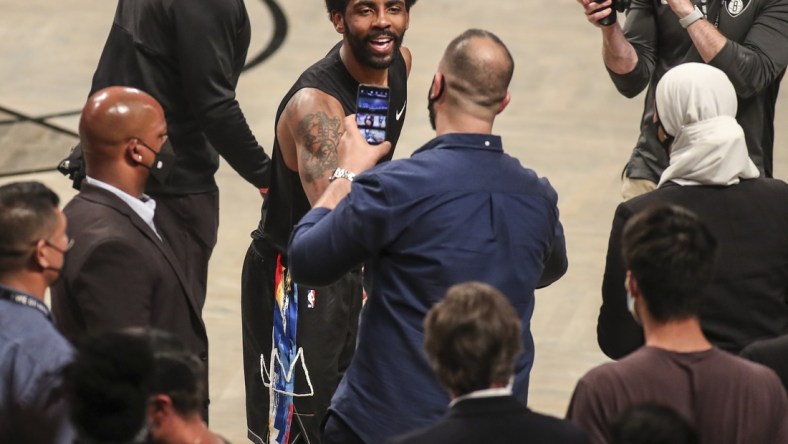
(372, 110)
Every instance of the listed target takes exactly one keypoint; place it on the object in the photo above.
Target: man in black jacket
(746, 39)
(188, 55)
(472, 338)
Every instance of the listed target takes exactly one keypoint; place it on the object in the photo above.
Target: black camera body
(617, 5)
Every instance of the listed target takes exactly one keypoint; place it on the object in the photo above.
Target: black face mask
(163, 162)
(431, 101)
(666, 144)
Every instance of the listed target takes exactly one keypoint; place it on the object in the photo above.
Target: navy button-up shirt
(458, 210)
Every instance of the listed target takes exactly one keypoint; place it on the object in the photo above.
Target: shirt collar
(484, 393)
(488, 142)
(22, 298)
(145, 207)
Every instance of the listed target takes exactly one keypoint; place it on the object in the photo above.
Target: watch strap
(691, 18)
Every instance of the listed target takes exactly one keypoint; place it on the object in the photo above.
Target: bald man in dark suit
(121, 272)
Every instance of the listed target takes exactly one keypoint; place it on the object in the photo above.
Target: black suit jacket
(747, 298)
(120, 274)
(495, 420)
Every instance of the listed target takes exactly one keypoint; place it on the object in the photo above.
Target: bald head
(478, 68)
(114, 115)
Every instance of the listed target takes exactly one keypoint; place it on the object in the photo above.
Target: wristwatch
(341, 173)
(691, 18)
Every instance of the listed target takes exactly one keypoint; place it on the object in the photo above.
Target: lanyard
(26, 300)
(703, 5)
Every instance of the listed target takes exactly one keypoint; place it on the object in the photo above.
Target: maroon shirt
(726, 398)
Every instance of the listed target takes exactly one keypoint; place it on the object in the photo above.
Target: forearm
(315, 256)
(232, 138)
(618, 54)
(333, 194)
(707, 39)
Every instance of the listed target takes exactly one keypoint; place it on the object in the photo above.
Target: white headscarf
(696, 103)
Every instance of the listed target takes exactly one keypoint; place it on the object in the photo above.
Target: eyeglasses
(69, 245)
(49, 244)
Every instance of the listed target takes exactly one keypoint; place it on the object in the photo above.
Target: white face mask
(631, 307)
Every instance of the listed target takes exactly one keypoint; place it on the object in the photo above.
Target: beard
(359, 46)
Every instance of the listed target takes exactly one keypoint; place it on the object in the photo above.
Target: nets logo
(736, 7)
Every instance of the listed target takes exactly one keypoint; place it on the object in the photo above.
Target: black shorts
(326, 330)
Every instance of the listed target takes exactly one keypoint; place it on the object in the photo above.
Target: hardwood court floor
(565, 120)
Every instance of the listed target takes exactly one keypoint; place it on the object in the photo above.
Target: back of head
(107, 386)
(670, 253)
(694, 92)
(651, 424)
(472, 338)
(178, 374)
(478, 67)
(341, 5)
(114, 376)
(28, 212)
(113, 116)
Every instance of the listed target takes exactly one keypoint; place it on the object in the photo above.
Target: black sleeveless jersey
(287, 202)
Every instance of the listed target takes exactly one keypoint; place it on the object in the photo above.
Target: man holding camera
(746, 39)
(301, 339)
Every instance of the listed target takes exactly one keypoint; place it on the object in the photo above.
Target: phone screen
(372, 109)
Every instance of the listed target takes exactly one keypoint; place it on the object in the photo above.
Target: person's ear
(159, 409)
(505, 102)
(134, 151)
(631, 285)
(339, 21)
(39, 257)
(436, 90)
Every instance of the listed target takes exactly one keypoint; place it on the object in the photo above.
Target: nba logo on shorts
(310, 299)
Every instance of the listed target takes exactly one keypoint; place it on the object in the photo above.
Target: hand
(596, 11)
(354, 153)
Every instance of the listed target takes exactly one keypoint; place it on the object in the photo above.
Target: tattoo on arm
(320, 134)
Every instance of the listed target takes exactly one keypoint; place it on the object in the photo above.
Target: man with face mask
(711, 174)
(459, 209)
(33, 245)
(669, 257)
(318, 346)
(122, 271)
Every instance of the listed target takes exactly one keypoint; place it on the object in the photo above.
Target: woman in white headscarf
(696, 108)
(710, 174)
